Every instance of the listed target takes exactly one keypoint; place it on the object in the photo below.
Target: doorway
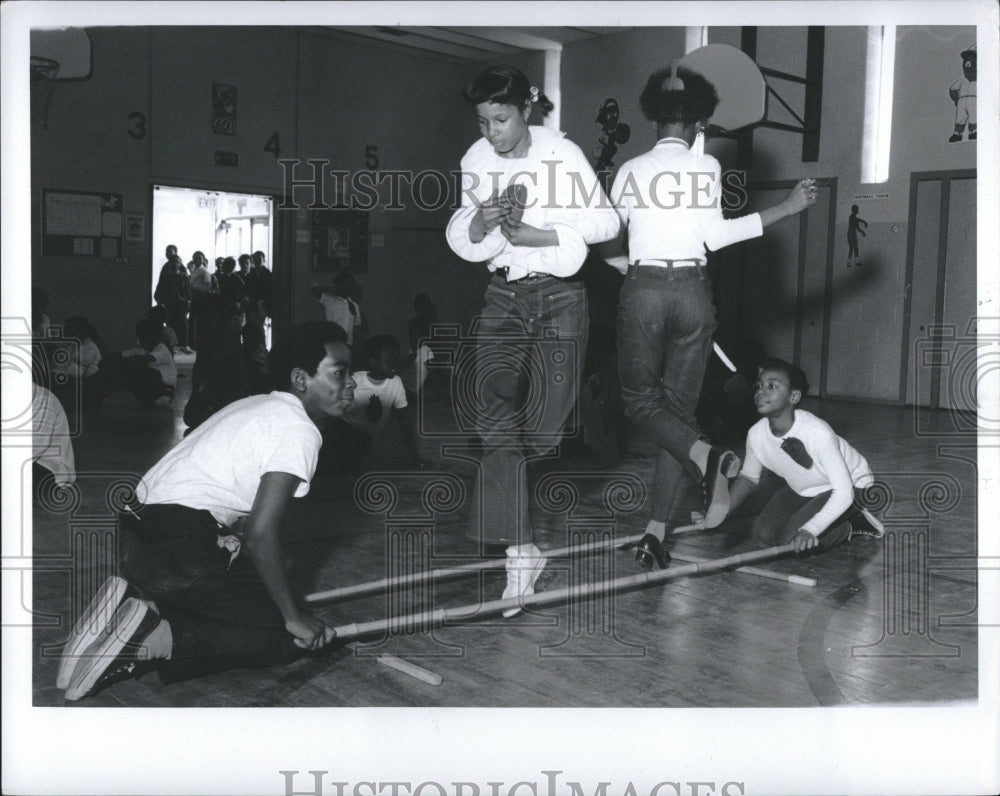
(217, 223)
(940, 344)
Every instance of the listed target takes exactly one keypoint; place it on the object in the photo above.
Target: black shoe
(723, 464)
(955, 137)
(864, 523)
(650, 551)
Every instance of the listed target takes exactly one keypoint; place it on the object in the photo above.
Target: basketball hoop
(43, 74)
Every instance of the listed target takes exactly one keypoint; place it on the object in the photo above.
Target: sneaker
(117, 650)
(522, 572)
(864, 523)
(90, 625)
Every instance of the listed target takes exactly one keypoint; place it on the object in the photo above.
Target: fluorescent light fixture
(877, 139)
(695, 36)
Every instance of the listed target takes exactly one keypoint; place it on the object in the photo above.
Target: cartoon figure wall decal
(855, 226)
(963, 94)
(613, 133)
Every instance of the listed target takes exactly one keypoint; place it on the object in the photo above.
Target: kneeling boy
(205, 585)
(818, 506)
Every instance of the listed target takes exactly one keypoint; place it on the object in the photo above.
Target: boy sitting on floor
(206, 586)
(379, 391)
(148, 370)
(819, 505)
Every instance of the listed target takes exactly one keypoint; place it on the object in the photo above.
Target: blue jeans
(220, 613)
(530, 343)
(665, 324)
(787, 511)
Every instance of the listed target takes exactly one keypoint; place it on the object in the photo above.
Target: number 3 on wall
(138, 129)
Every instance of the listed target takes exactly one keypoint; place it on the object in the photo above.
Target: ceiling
(465, 44)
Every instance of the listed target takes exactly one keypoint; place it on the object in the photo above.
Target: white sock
(657, 529)
(699, 454)
(159, 643)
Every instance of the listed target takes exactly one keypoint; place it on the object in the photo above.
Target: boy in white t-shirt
(339, 307)
(819, 505)
(205, 586)
(378, 393)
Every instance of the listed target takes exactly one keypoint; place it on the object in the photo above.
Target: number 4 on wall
(273, 145)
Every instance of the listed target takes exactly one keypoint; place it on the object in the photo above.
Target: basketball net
(43, 74)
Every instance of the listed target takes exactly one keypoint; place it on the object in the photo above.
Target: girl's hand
(487, 218)
(801, 196)
(521, 234)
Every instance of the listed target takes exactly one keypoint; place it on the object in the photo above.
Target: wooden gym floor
(889, 622)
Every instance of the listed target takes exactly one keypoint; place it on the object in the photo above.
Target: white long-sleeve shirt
(563, 194)
(671, 200)
(52, 446)
(837, 467)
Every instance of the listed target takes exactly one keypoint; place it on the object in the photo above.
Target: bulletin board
(82, 224)
(339, 240)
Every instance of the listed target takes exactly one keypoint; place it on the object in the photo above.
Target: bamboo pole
(799, 580)
(477, 610)
(454, 572)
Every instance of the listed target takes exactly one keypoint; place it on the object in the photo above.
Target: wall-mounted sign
(82, 223)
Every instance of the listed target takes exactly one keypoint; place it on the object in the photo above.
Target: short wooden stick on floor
(799, 580)
(404, 666)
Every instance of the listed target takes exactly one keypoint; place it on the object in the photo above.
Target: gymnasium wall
(331, 99)
(864, 342)
(326, 98)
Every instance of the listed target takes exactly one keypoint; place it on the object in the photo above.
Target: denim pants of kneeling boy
(787, 511)
(530, 343)
(220, 613)
(666, 319)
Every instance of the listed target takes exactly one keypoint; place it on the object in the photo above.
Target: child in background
(158, 314)
(219, 375)
(338, 306)
(414, 369)
(73, 374)
(378, 391)
(255, 353)
(819, 504)
(150, 367)
(148, 370)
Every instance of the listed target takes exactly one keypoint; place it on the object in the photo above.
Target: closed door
(939, 345)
